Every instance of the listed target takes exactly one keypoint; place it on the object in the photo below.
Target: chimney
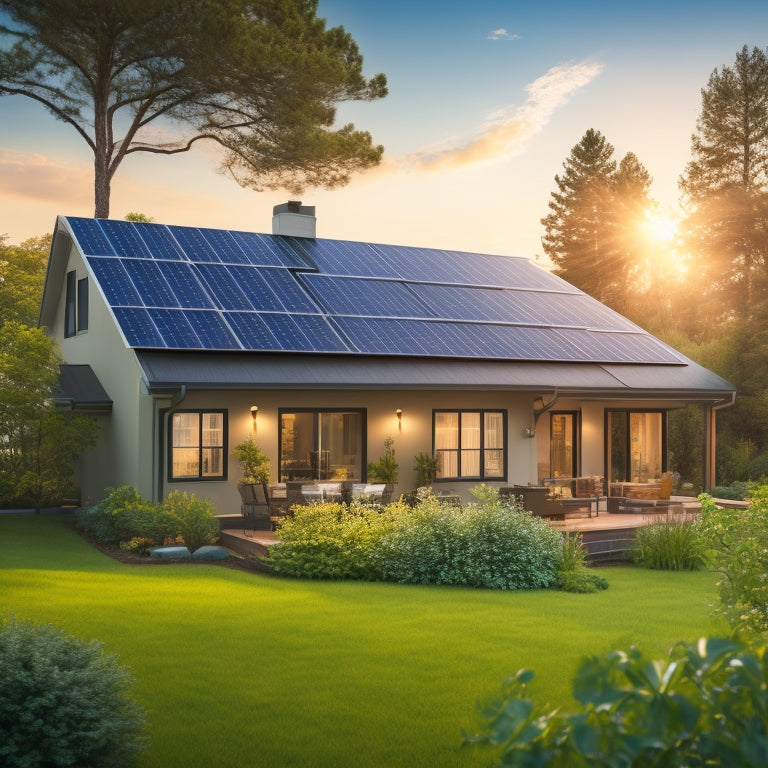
(293, 218)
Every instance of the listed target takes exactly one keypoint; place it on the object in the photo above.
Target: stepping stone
(170, 553)
(211, 552)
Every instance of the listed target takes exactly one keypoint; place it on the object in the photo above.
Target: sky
(486, 101)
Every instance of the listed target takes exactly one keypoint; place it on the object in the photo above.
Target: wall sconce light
(529, 432)
(254, 414)
(399, 414)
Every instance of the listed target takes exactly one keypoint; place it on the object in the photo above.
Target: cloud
(37, 177)
(505, 132)
(502, 34)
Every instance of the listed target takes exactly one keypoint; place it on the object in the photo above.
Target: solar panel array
(172, 287)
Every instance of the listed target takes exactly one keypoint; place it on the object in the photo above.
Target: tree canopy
(261, 78)
(22, 272)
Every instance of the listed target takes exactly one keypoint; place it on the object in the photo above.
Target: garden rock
(170, 553)
(211, 552)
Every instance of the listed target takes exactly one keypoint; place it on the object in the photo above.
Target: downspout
(158, 425)
(544, 407)
(709, 473)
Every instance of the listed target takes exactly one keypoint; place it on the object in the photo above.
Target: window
(82, 305)
(197, 445)
(470, 444)
(75, 305)
(562, 444)
(70, 313)
(322, 444)
(636, 445)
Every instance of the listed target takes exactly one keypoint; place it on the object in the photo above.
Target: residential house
(185, 341)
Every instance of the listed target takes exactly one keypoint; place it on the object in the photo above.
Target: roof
(218, 308)
(80, 389)
(186, 288)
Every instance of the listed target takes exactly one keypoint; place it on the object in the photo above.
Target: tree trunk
(101, 187)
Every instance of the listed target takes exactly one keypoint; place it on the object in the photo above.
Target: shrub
(705, 705)
(123, 514)
(573, 575)
(384, 469)
(739, 541)
(491, 544)
(63, 702)
(138, 544)
(332, 541)
(190, 517)
(737, 491)
(671, 545)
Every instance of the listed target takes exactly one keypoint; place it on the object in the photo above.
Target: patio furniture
(581, 494)
(254, 506)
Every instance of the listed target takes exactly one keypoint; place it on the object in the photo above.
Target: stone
(170, 553)
(211, 552)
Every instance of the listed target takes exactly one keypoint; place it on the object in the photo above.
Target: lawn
(242, 669)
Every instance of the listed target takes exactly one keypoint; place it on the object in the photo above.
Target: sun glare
(659, 226)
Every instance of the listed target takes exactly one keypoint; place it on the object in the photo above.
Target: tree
(726, 184)
(22, 272)
(38, 443)
(259, 78)
(590, 230)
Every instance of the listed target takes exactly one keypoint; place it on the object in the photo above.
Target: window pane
(297, 442)
(213, 429)
(186, 429)
(70, 318)
(447, 463)
(494, 430)
(470, 463)
(646, 449)
(186, 462)
(561, 444)
(82, 304)
(470, 430)
(494, 463)
(446, 430)
(213, 462)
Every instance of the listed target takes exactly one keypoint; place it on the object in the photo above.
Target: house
(185, 341)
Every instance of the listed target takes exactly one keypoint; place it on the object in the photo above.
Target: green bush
(739, 542)
(737, 491)
(490, 544)
(123, 514)
(573, 575)
(332, 541)
(190, 517)
(671, 545)
(705, 705)
(63, 702)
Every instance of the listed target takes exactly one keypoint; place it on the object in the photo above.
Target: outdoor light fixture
(254, 414)
(399, 414)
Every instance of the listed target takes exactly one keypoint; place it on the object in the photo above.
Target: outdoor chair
(254, 507)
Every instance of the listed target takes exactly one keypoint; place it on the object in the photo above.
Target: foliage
(739, 540)
(259, 80)
(139, 544)
(736, 491)
(256, 465)
(573, 574)
(192, 518)
(120, 516)
(384, 469)
(124, 515)
(492, 544)
(675, 544)
(426, 469)
(138, 217)
(686, 430)
(705, 705)
(22, 273)
(332, 541)
(590, 231)
(40, 442)
(63, 702)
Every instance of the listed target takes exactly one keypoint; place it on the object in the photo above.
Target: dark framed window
(636, 445)
(322, 443)
(82, 304)
(470, 445)
(70, 306)
(563, 444)
(197, 445)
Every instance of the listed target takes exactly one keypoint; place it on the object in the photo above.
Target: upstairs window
(82, 305)
(75, 305)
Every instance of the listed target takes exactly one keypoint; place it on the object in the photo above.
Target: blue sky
(486, 101)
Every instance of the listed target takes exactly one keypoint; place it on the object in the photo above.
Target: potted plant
(426, 469)
(384, 469)
(254, 461)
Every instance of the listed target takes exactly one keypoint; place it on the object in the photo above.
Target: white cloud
(502, 34)
(505, 133)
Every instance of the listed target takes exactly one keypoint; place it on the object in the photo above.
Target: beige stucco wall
(122, 455)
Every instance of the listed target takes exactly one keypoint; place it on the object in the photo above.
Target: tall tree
(261, 78)
(589, 231)
(726, 183)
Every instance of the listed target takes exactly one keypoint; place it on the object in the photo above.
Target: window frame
(200, 478)
(627, 447)
(70, 305)
(481, 412)
(82, 305)
(363, 414)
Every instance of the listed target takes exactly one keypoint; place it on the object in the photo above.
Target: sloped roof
(186, 288)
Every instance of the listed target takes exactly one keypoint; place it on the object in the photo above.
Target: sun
(660, 226)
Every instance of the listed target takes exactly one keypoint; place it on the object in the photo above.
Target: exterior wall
(412, 435)
(121, 456)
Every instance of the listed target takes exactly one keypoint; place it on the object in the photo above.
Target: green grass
(240, 669)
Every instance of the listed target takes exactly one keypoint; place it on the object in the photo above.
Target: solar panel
(191, 288)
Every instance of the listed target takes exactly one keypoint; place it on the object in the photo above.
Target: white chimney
(293, 218)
